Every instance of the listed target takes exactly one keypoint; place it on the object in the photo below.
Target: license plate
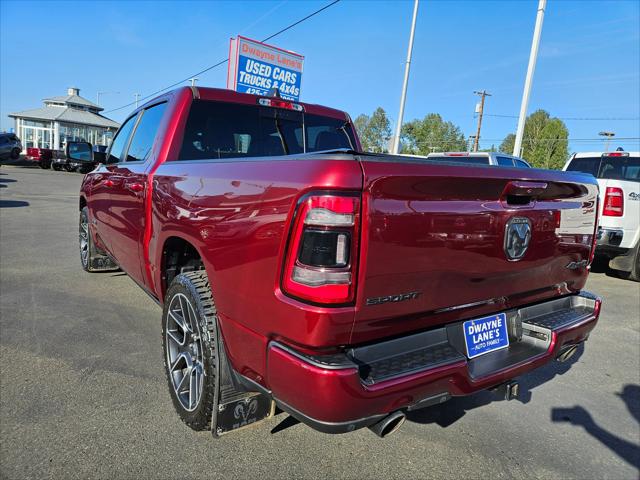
(487, 334)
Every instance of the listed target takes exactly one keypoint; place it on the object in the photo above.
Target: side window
(505, 161)
(521, 164)
(142, 142)
(120, 142)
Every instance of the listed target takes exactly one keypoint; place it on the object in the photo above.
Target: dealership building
(65, 118)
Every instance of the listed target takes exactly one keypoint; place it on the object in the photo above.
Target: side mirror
(79, 151)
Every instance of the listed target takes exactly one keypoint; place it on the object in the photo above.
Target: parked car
(42, 156)
(618, 175)
(10, 146)
(346, 288)
(480, 158)
(61, 159)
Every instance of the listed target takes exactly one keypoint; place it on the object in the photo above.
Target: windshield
(230, 130)
(615, 168)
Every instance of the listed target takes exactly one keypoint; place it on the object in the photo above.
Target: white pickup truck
(618, 175)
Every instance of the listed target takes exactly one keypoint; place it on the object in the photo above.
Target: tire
(69, 168)
(45, 164)
(15, 154)
(189, 344)
(84, 240)
(56, 167)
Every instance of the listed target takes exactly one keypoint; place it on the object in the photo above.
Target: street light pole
(533, 56)
(193, 81)
(137, 97)
(609, 135)
(403, 96)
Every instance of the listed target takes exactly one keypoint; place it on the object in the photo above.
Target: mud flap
(623, 262)
(249, 409)
(236, 406)
(102, 263)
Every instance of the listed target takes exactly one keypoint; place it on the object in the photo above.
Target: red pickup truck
(342, 287)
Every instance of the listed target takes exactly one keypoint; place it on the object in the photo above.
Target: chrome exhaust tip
(567, 352)
(389, 424)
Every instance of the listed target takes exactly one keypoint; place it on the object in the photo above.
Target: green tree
(545, 143)
(432, 134)
(374, 131)
(361, 123)
(507, 144)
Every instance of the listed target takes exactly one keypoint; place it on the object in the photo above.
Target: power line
(222, 62)
(571, 140)
(574, 118)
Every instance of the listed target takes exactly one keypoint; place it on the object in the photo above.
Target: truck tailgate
(437, 240)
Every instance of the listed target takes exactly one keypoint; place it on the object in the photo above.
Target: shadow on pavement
(13, 203)
(601, 265)
(6, 180)
(450, 412)
(578, 416)
(21, 162)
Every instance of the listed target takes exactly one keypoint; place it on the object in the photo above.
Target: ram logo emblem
(517, 236)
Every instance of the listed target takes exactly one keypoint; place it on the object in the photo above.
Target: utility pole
(482, 94)
(609, 135)
(137, 97)
(403, 96)
(533, 56)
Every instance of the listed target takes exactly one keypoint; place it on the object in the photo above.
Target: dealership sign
(255, 67)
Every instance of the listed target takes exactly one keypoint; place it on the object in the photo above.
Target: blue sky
(588, 67)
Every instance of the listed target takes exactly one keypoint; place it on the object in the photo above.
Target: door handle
(522, 192)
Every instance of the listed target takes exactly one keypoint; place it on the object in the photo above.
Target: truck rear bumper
(342, 392)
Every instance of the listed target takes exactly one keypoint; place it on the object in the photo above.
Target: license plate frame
(484, 336)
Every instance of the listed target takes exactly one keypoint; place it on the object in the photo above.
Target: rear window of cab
(608, 167)
(229, 130)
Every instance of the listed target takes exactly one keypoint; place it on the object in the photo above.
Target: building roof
(75, 100)
(75, 109)
(66, 114)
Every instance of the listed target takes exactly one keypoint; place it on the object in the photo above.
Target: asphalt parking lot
(83, 393)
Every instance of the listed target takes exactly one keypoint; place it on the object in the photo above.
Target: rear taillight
(322, 252)
(613, 202)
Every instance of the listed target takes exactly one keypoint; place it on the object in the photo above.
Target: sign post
(255, 67)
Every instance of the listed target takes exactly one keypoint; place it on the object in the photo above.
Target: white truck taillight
(613, 202)
(321, 257)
